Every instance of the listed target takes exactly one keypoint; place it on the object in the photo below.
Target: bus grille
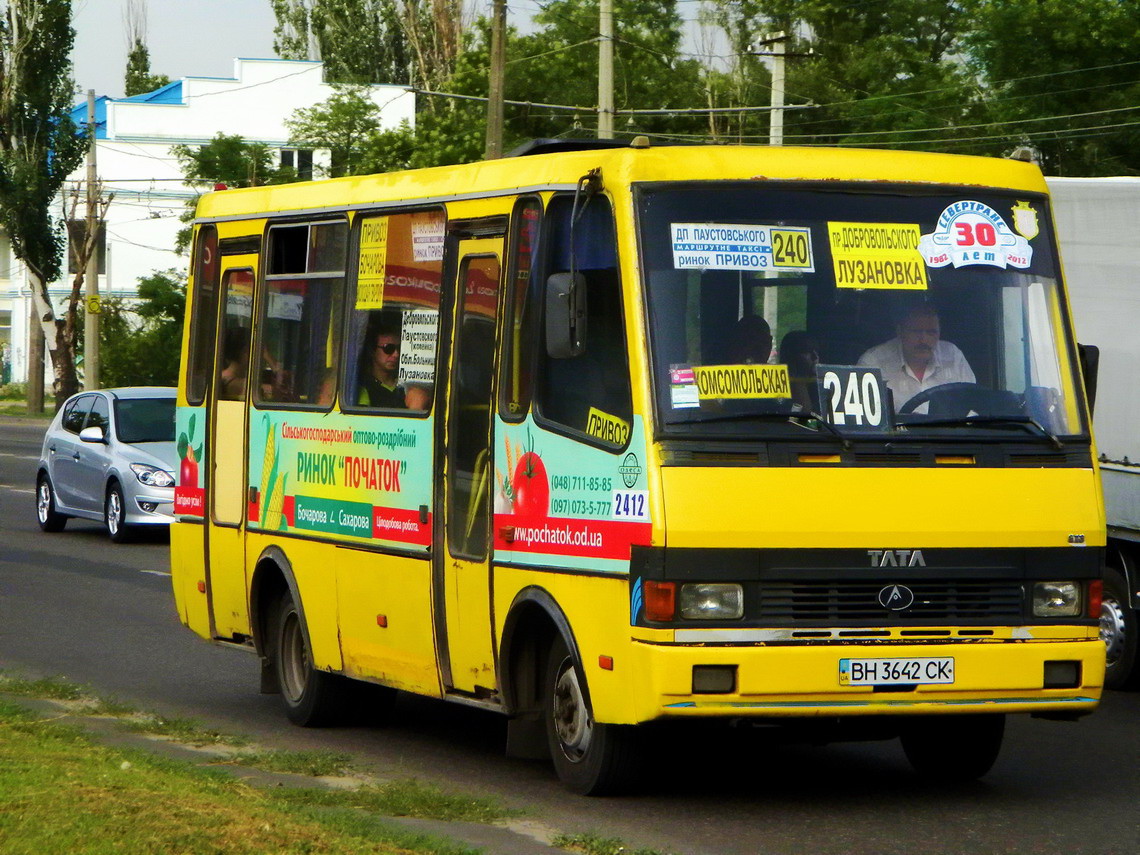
(801, 602)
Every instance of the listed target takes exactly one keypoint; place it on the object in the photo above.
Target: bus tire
(312, 698)
(1118, 631)
(591, 759)
(953, 748)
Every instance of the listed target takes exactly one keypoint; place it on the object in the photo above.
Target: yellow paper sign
(373, 258)
(742, 381)
(877, 255)
(607, 428)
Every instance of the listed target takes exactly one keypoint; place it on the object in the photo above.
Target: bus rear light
(1096, 594)
(660, 600)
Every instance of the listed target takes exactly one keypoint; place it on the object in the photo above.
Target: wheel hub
(571, 720)
(1112, 629)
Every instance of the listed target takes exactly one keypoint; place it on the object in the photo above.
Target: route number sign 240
(853, 398)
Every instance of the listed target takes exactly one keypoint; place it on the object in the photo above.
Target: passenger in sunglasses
(379, 370)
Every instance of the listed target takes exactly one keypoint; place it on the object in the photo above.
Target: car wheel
(1118, 631)
(313, 698)
(114, 514)
(46, 514)
(953, 748)
(591, 759)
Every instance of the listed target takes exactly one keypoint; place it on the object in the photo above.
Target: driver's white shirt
(947, 366)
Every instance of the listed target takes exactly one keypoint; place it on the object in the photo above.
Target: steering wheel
(951, 400)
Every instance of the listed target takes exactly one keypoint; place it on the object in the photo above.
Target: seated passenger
(751, 341)
(916, 358)
(378, 368)
(799, 352)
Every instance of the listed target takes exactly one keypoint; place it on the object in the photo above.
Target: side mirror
(92, 434)
(565, 315)
(1089, 357)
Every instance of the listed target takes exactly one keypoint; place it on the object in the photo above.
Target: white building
(134, 160)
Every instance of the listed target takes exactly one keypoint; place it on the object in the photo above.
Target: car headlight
(152, 476)
(1056, 599)
(712, 601)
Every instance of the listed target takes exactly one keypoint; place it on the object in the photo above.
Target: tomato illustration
(189, 473)
(530, 488)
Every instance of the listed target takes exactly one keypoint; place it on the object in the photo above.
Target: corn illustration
(273, 517)
(269, 479)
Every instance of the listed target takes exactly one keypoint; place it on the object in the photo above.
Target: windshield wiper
(1028, 422)
(804, 417)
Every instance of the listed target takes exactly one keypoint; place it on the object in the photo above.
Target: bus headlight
(712, 601)
(1056, 599)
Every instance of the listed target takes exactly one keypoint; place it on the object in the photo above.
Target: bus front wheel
(953, 748)
(312, 698)
(591, 759)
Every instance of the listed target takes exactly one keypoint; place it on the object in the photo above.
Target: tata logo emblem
(630, 470)
(896, 598)
(896, 558)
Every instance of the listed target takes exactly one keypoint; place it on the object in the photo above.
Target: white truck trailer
(1098, 226)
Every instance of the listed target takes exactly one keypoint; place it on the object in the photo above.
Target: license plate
(895, 672)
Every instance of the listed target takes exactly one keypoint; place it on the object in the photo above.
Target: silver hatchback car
(109, 455)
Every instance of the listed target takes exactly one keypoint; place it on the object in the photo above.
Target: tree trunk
(55, 334)
(35, 363)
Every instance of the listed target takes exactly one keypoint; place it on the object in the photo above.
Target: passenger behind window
(235, 353)
(378, 367)
(751, 342)
(799, 351)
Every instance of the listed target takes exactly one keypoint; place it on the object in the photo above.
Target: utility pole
(776, 126)
(497, 80)
(606, 70)
(91, 316)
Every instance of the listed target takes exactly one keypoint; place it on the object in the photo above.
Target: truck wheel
(312, 698)
(953, 747)
(1118, 630)
(591, 759)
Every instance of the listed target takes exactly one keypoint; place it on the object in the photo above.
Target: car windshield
(897, 311)
(144, 419)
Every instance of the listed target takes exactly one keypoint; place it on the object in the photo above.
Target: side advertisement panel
(559, 501)
(190, 491)
(332, 475)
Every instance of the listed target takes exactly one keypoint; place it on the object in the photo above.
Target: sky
(187, 38)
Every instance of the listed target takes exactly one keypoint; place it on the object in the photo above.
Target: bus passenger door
(225, 570)
(463, 564)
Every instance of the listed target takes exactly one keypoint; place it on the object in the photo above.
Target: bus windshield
(881, 311)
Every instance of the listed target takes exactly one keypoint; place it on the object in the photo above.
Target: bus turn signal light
(660, 600)
(1096, 594)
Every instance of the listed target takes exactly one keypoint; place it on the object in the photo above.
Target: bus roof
(625, 165)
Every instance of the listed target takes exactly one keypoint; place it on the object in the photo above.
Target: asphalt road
(73, 604)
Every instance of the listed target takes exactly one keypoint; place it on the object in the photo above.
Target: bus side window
(589, 393)
(523, 289)
(299, 342)
(204, 315)
(394, 314)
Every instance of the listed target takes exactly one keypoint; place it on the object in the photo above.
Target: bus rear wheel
(312, 698)
(953, 748)
(591, 759)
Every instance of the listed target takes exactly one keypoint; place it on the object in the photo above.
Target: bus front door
(463, 582)
(225, 564)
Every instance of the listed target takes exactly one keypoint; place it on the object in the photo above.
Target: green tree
(1061, 77)
(138, 78)
(344, 124)
(141, 341)
(39, 148)
(226, 160)
(360, 41)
